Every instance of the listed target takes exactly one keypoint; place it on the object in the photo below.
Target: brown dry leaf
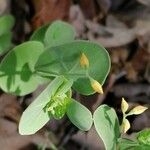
(145, 2)
(147, 72)
(113, 22)
(9, 107)
(50, 10)
(119, 55)
(90, 140)
(96, 29)
(104, 5)
(11, 140)
(144, 41)
(77, 19)
(120, 37)
(140, 60)
(135, 12)
(4, 6)
(89, 13)
(142, 27)
(108, 36)
(131, 90)
(131, 73)
(7, 127)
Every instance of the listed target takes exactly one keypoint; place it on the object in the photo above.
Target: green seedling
(53, 57)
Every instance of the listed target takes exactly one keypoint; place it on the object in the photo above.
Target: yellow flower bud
(137, 110)
(124, 105)
(125, 126)
(96, 86)
(84, 62)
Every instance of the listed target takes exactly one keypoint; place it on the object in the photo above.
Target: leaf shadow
(13, 76)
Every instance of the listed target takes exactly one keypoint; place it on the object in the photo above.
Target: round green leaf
(64, 60)
(59, 33)
(35, 116)
(6, 23)
(107, 126)
(79, 115)
(39, 34)
(17, 74)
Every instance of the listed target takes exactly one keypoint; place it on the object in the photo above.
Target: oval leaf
(79, 115)
(17, 74)
(59, 33)
(65, 60)
(107, 126)
(35, 117)
(39, 34)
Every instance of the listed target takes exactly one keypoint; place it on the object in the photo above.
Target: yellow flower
(125, 126)
(137, 110)
(84, 62)
(96, 86)
(124, 105)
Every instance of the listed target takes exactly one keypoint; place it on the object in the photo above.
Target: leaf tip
(124, 105)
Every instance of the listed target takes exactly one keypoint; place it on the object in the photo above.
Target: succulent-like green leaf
(39, 34)
(59, 33)
(58, 105)
(79, 115)
(144, 137)
(6, 23)
(35, 116)
(17, 74)
(126, 144)
(65, 60)
(107, 126)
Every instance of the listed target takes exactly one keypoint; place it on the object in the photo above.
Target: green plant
(54, 57)
(6, 24)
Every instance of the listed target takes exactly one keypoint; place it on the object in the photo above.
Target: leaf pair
(40, 112)
(36, 116)
(125, 126)
(63, 53)
(105, 121)
(26, 66)
(17, 72)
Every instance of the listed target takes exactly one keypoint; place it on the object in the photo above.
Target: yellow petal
(84, 62)
(96, 86)
(138, 110)
(125, 126)
(124, 105)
